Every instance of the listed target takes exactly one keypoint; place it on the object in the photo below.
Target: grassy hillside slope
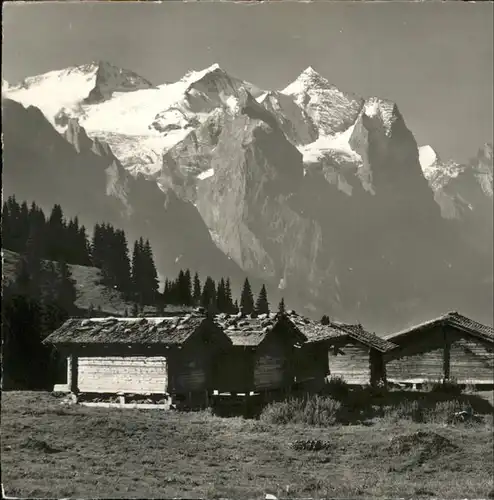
(88, 285)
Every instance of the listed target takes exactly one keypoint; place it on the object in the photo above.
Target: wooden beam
(446, 355)
(74, 374)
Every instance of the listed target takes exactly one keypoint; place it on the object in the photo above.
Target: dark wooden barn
(339, 350)
(449, 347)
(312, 361)
(172, 355)
(262, 356)
(360, 356)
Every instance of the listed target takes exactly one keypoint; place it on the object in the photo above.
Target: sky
(435, 60)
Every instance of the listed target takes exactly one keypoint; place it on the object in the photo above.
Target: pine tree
(208, 296)
(15, 242)
(37, 226)
(50, 281)
(56, 231)
(144, 275)
(97, 252)
(246, 298)
(166, 292)
(23, 229)
(58, 299)
(151, 282)
(230, 308)
(29, 268)
(212, 308)
(71, 235)
(281, 307)
(221, 304)
(84, 246)
(236, 307)
(196, 296)
(35, 305)
(66, 290)
(121, 263)
(23, 356)
(187, 288)
(325, 320)
(262, 304)
(137, 271)
(180, 289)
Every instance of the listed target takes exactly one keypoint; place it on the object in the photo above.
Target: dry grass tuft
(315, 410)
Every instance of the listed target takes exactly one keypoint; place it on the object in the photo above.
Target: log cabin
(171, 356)
(451, 346)
(341, 350)
(360, 357)
(312, 360)
(262, 355)
(355, 355)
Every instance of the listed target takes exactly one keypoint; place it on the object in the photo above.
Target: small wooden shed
(312, 361)
(358, 356)
(262, 353)
(171, 355)
(451, 346)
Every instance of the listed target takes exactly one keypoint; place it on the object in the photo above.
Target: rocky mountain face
(459, 188)
(464, 193)
(322, 194)
(84, 176)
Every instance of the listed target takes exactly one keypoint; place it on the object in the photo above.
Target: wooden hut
(358, 356)
(340, 350)
(172, 355)
(312, 361)
(262, 354)
(449, 347)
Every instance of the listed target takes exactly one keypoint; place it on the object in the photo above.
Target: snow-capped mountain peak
(331, 110)
(193, 75)
(308, 79)
(109, 77)
(63, 93)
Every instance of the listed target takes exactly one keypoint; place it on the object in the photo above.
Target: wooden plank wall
(439, 353)
(424, 365)
(471, 361)
(270, 367)
(130, 374)
(312, 362)
(234, 370)
(188, 373)
(352, 366)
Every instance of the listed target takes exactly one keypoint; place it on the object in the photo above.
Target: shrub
(314, 410)
(406, 410)
(360, 398)
(337, 387)
(449, 387)
(439, 412)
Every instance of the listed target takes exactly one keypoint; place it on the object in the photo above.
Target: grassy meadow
(51, 449)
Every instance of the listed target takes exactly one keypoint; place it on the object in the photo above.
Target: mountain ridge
(321, 191)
